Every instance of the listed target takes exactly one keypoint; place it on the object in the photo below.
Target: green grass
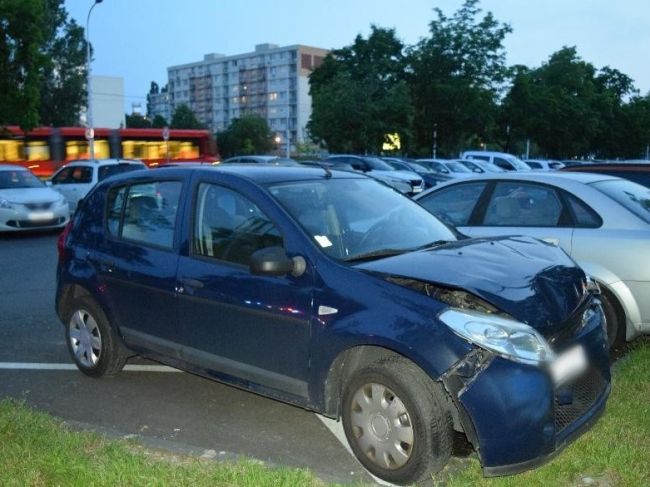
(37, 450)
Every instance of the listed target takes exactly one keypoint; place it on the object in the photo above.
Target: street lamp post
(89, 110)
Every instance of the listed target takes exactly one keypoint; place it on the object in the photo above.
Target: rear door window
(519, 204)
(144, 213)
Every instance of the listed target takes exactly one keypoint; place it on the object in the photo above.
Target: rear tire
(92, 341)
(395, 421)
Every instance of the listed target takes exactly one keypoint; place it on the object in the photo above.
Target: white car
(27, 204)
(503, 160)
(74, 180)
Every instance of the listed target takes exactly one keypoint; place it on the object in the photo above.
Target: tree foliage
(571, 109)
(249, 134)
(159, 122)
(359, 94)
(63, 76)
(184, 118)
(137, 121)
(455, 76)
(21, 61)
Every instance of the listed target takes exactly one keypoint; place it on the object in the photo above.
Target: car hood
(532, 281)
(30, 195)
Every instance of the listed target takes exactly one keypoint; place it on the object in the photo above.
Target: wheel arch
(619, 294)
(347, 362)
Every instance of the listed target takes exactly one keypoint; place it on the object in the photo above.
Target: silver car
(602, 222)
(26, 204)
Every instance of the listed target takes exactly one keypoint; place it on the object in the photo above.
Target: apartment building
(272, 82)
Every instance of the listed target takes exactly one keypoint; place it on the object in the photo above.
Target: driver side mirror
(273, 261)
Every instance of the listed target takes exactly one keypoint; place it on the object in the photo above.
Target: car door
(76, 184)
(136, 262)
(251, 328)
(522, 208)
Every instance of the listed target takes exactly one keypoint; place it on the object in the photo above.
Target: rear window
(111, 170)
(632, 196)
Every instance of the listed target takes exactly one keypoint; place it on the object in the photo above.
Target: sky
(138, 39)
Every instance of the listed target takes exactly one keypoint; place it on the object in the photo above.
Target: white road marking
(46, 366)
(336, 427)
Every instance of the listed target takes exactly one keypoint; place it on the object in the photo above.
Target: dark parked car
(428, 175)
(331, 291)
(406, 182)
(638, 172)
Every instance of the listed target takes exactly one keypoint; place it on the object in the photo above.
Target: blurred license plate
(569, 365)
(40, 215)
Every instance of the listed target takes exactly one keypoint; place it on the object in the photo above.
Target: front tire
(615, 328)
(395, 421)
(92, 341)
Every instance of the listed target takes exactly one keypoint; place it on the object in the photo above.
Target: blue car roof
(259, 173)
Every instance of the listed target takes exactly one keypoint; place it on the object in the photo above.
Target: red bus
(46, 149)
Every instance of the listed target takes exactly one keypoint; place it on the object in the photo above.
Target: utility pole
(435, 140)
(90, 133)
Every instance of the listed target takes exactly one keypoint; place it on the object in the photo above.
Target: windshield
(518, 163)
(359, 218)
(457, 167)
(377, 164)
(632, 196)
(421, 168)
(19, 179)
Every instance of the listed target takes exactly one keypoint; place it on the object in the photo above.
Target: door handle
(188, 282)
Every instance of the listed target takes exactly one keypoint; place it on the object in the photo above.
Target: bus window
(11, 150)
(37, 150)
(78, 149)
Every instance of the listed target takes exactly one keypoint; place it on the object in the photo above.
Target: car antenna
(328, 173)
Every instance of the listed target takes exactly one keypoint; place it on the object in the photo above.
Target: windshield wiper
(375, 254)
(431, 245)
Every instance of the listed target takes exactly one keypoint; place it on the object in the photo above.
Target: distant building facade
(272, 82)
(158, 102)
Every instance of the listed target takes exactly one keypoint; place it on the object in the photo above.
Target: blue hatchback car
(328, 290)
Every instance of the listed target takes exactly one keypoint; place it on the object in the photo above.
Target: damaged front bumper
(515, 415)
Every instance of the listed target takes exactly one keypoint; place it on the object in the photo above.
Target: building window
(273, 96)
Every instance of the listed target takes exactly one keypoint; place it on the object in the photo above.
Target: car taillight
(60, 242)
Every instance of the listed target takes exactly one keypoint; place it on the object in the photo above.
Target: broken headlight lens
(511, 339)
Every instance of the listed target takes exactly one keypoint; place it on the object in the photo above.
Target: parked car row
(329, 290)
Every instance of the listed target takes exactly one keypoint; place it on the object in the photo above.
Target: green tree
(137, 121)
(63, 76)
(359, 95)
(184, 118)
(568, 108)
(21, 60)
(249, 134)
(455, 76)
(159, 122)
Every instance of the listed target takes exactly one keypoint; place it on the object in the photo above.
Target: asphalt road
(169, 410)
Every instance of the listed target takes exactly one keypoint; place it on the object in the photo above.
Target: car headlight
(6, 204)
(511, 339)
